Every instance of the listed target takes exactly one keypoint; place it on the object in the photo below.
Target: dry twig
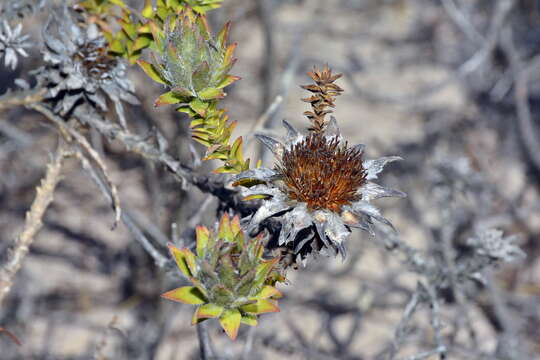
(44, 197)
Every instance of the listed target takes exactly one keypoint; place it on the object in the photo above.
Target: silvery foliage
(79, 74)
(10, 9)
(12, 44)
(490, 246)
(316, 231)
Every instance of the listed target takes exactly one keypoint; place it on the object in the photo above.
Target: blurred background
(449, 85)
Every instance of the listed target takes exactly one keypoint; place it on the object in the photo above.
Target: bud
(231, 279)
(193, 64)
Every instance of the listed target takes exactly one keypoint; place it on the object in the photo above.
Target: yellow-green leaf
(119, 3)
(224, 230)
(147, 11)
(168, 98)
(116, 46)
(211, 93)
(229, 79)
(199, 106)
(268, 292)
(152, 72)
(248, 319)
(187, 295)
(202, 234)
(180, 258)
(207, 311)
(261, 307)
(230, 322)
(142, 42)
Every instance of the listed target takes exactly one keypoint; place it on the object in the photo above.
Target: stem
(205, 344)
(33, 222)
(19, 98)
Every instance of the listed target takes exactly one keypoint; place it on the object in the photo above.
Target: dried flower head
(307, 166)
(79, 70)
(12, 44)
(320, 186)
(231, 279)
(20, 8)
(319, 189)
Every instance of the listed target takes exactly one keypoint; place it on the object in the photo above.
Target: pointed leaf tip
(186, 294)
(230, 322)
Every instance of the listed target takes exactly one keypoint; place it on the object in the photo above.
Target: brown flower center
(322, 173)
(95, 60)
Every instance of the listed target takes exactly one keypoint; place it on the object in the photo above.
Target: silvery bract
(12, 44)
(318, 190)
(80, 71)
(10, 9)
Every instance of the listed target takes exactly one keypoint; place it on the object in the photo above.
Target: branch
(44, 197)
(205, 344)
(19, 98)
(212, 184)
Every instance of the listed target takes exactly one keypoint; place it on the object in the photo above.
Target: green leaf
(148, 10)
(195, 319)
(207, 311)
(211, 93)
(180, 258)
(117, 47)
(201, 76)
(230, 322)
(186, 110)
(268, 292)
(119, 3)
(251, 197)
(142, 42)
(248, 319)
(265, 267)
(229, 79)
(187, 295)
(199, 106)
(235, 225)
(185, 260)
(152, 72)
(260, 307)
(168, 98)
(223, 35)
(129, 28)
(236, 150)
(202, 234)
(224, 229)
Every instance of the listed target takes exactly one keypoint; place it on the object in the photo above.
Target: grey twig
(160, 259)
(522, 73)
(21, 98)
(205, 343)
(83, 142)
(33, 222)
(503, 8)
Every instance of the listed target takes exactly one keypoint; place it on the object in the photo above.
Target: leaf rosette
(231, 281)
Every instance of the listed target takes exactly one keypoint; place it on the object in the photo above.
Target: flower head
(80, 71)
(12, 44)
(320, 186)
(308, 164)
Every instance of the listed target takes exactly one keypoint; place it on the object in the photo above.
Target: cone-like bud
(193, 64)
(231, 280)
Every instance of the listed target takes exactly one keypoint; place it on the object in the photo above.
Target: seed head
(322, 173)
